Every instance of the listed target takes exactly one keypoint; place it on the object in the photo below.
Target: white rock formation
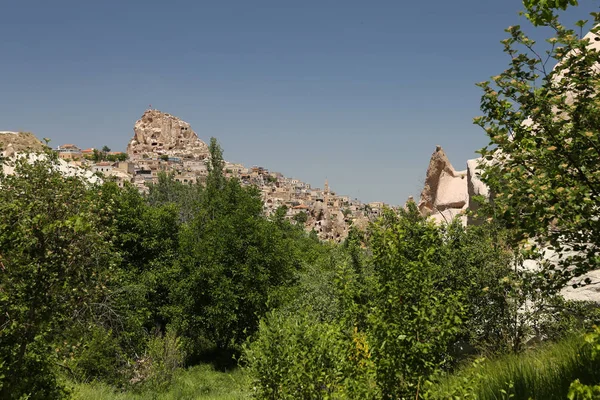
(445, 194)
(61, 166)
(442, 199)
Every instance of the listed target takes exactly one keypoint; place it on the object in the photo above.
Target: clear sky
(358, 92)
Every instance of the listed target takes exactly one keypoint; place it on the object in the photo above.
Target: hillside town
(163, 143)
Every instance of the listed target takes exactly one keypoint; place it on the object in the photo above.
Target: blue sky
(353, 91)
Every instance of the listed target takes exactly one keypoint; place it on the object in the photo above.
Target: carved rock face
(158, 133)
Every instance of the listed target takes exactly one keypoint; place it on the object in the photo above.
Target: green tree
(232, 262)
(301, 218)
(97, 155)
(542, 167)
(186, 197)
(541, 12)
(54, 260)
(147, 239)
(416, 315)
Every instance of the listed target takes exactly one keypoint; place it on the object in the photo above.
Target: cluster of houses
(330, 215)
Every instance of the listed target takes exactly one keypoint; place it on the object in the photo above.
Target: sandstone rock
(475, 186)
(444, 188)
(158, 133)
(589, 292)
(361, 223)
(318, 211)
(448, 215)
(16, 142)
(452, 191)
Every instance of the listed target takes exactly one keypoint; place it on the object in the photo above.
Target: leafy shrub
(164, 358)
(416, 315)
(96, 356)
(299, 357)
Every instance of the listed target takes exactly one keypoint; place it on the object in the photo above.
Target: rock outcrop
(445, 194)
(158, 133)
(19, 142)
(442, 200)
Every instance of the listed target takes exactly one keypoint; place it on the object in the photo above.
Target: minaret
(326, 193)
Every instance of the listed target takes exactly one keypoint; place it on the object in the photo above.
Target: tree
(146, 237)
(416, 314)
(97, 155)
(544, 130)
(301, 218)
(186, 197)
(540, 12)
(54, 259)
(232, 262)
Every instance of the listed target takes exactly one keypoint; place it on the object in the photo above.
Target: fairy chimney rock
(158, 133)
(445, 190)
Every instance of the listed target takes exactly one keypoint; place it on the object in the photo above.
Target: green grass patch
(544, 373)
(201, 382)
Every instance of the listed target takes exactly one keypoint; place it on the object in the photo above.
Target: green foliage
(577, 390)
(96, 356)
(185, 197)
(301, 218)
(117, 157)
(97, 155)
(541, 12)
(165, 357)
(314, 290)
(147, 238)
(544, 140)
(542, 373)
(54, 258)
(416, 317)
(232, 263)
(300, 357)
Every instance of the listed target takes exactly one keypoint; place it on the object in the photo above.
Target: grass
(544, 373)
(201, 382)
(541, 374)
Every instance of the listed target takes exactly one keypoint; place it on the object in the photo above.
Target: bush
(96, 356)
(298, 357)
(164, 358)
(416, 315)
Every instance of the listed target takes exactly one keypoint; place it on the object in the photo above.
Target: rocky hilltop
(11, 142)
(158, 133)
